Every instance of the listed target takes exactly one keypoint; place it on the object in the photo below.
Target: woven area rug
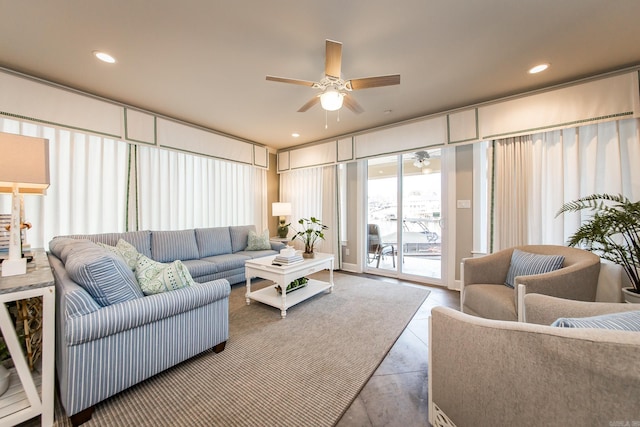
(300, 371)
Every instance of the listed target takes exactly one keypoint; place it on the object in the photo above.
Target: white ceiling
(205, 61)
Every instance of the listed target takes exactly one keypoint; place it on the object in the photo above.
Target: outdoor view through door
(408, 187)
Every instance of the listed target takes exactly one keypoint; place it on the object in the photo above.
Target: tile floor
(396, 394)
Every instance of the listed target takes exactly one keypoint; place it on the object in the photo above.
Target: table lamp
(281, 210)
(24, 169)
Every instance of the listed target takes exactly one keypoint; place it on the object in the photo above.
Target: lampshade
(331, 99)
(281, 209)
(24, 168)
(24, 161)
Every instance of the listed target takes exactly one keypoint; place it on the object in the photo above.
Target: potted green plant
(613, 232)
(312, 231)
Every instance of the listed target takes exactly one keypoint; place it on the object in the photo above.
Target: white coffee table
(283, 275)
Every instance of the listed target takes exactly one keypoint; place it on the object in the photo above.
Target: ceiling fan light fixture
(331, 99)
(422, 159)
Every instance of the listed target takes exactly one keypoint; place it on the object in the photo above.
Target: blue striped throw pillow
(625, 321)
(527, 264)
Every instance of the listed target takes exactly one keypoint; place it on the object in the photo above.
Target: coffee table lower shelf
(270, 295)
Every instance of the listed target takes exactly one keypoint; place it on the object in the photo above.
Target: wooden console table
(23, 401)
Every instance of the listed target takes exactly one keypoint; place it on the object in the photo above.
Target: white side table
(23, 401)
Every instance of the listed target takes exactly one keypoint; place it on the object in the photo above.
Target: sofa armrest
(277, 246)
(577, 282)
(499, 373)
(544, 309)
(488, 269)
(134, 313)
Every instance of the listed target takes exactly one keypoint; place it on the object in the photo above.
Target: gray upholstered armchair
(484, 293)
(494, 373)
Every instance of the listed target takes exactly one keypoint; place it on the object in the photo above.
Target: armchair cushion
(628, 321)
(491, 301)
(527, 264)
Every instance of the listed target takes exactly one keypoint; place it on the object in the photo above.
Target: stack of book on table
(287, 256)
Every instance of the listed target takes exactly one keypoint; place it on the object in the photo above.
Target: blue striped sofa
(104, 349)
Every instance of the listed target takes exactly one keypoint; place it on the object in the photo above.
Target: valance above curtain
(101, 185)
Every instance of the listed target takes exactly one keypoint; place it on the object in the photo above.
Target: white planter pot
(630, 296)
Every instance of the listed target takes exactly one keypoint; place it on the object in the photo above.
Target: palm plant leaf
(613, 231)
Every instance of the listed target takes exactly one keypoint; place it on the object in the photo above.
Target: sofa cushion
(240, 236)
(168, 246)
(227, 261)
(198, 267)
(62, 246)
(213, 241)
(156, 277)
(257, 254)
(527, 264)
(625, 321)
(141, 240)
(258, 242)
(103, 274)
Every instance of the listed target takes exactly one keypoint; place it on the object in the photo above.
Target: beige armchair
(484, 294)
(495, 373)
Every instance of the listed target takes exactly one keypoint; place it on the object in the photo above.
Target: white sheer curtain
(88, 191)
(313, 192)
(565, 165)
(512, 167)
(179, 190)
(88, 182)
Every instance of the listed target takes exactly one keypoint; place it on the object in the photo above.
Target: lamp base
(283, 230)
(14, 267)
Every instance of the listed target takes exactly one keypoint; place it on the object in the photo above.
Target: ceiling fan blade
(292, 81)
(333, 59)
(352, 104)
(369, 82)
(313, 101)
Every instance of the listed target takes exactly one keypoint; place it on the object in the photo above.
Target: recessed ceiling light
(295, 134)
(538, 68)
(104, 57)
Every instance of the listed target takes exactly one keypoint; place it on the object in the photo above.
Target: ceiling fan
(421, 159)
(335, 90)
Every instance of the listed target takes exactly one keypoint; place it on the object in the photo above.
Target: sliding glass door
(404, 216)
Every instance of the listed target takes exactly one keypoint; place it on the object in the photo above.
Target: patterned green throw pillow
(258, 242)
(126, 251)
(155, 277)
